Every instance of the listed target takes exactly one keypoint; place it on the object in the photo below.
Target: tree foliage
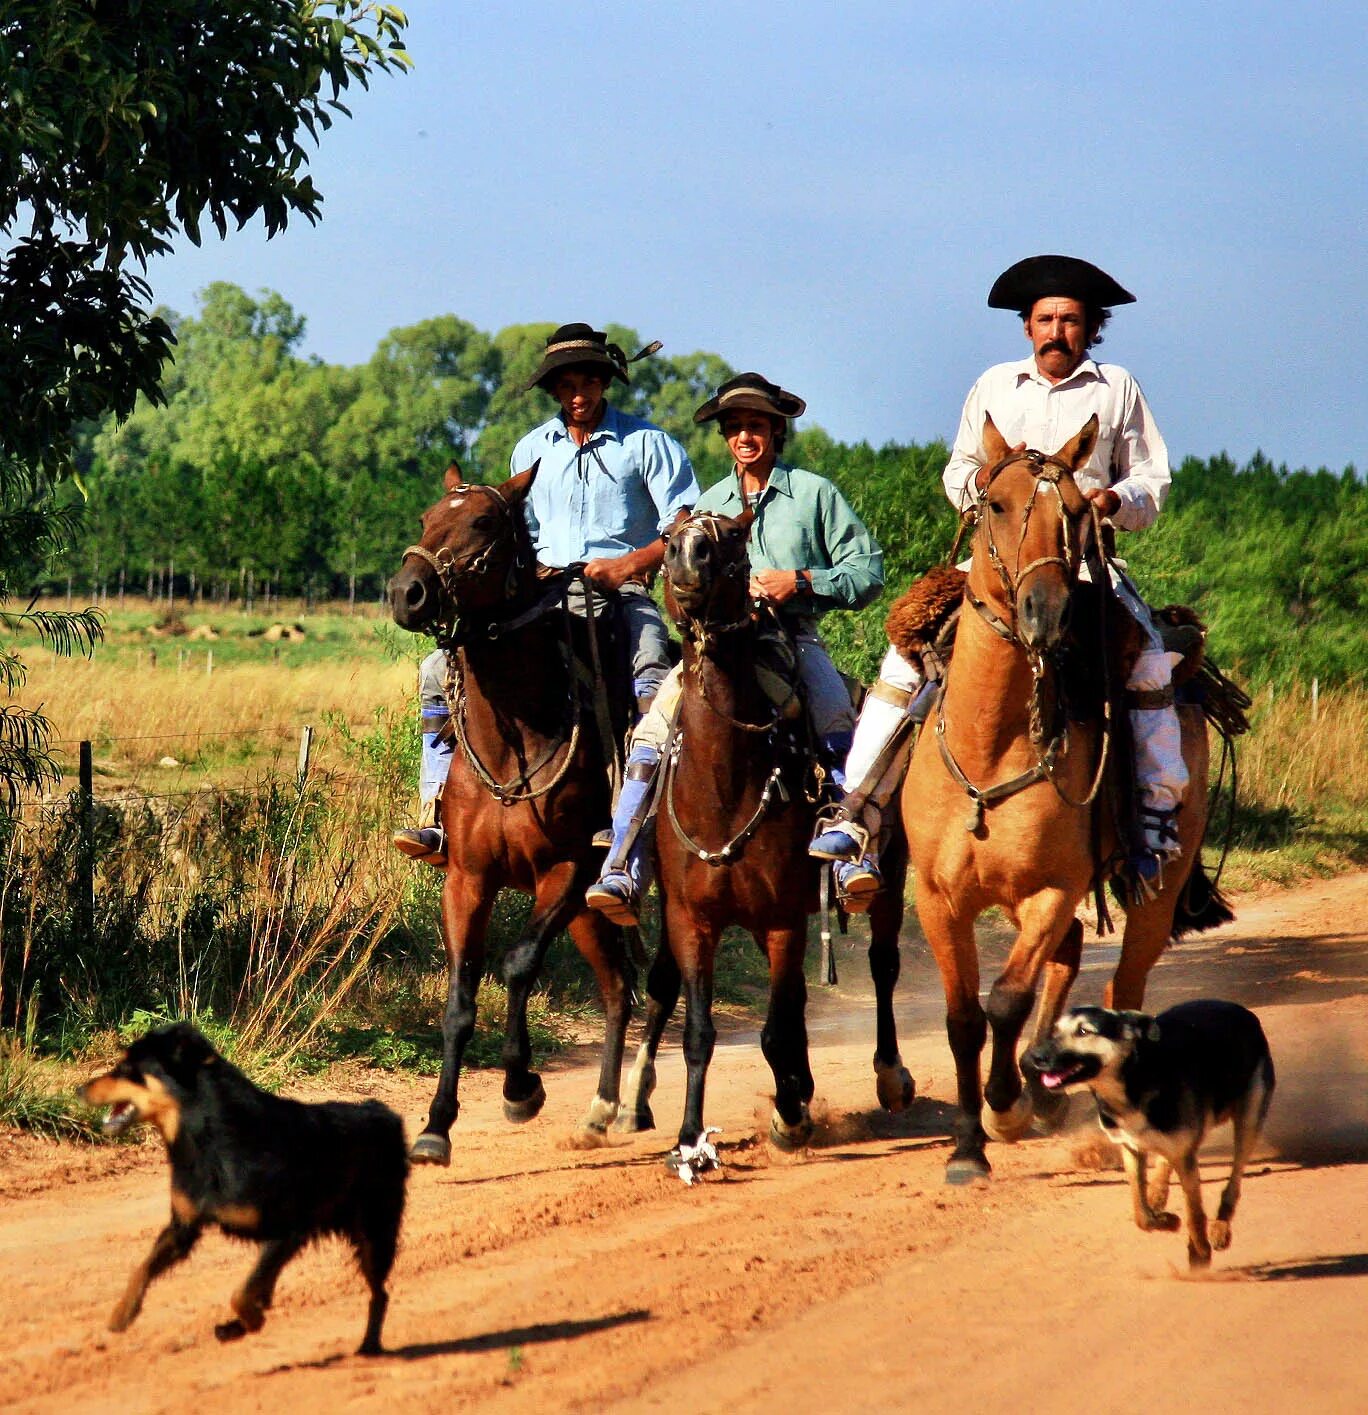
(122, 124)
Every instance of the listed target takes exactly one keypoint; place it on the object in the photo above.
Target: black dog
(1160, 1084)
(276, 1171)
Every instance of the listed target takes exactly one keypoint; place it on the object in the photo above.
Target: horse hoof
(430, 1149)
(894, 1085)
(790, 1138)
(600, 1117)
(968, 1169)
(1009, 1126)
(520, 1112)
(633, 1121)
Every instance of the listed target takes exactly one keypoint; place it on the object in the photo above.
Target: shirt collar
(778, 483)
(1026, 369)
(610, 427)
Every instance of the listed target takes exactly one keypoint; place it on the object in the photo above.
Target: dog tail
(1201, 905)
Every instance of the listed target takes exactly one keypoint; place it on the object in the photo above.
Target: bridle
(1050, 471)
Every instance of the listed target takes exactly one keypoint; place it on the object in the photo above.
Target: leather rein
(1049, 471)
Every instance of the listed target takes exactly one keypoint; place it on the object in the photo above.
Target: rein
(1049, 471)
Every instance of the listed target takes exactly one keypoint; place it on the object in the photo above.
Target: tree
(123, 124)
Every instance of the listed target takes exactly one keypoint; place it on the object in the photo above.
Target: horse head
(470, 557)
(707, 573)
(1031, 523)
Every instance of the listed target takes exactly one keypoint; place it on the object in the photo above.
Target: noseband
(701, 629)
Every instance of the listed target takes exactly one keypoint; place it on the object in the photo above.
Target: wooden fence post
(85, 864)
(305, 748)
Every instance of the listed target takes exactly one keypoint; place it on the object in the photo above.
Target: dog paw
(230, 1331)
(122, 1318)
(1220, 1234)
(1165, 1223)
(1198, 1257)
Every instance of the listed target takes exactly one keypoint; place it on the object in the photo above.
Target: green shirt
(802, 522)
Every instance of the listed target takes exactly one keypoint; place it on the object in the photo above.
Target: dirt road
(537, 1277)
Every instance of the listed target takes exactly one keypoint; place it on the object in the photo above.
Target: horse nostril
(414, 593)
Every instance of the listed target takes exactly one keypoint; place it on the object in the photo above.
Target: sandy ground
(537, 1277)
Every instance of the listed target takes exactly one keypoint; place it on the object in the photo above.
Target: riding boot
(603, 839)
(832, 750)
(626, 872)
(426, 841)
(1161, 773)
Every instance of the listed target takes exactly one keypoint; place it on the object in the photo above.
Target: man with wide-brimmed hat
(1040, 401)
(608, 489)
(809, 554)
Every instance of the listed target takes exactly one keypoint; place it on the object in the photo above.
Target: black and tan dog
(276, 1171)
(1161, 1083)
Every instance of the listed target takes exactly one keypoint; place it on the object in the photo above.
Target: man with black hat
(809, 553)
(1040, 402)
(608, 489)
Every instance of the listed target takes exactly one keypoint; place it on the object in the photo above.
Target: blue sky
(825, 192)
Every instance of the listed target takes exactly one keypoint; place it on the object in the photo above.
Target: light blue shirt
(613, 495)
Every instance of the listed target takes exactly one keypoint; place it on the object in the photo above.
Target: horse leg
(559, 896)
(604, 949)
(1043, 921)
(951, 937)
(466, 905)
(1050, 1107)
(662, 993)
(783, 1039)
(695, 946)
(892, 1080)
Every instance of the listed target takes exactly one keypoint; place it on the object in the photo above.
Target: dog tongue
(120, 1117)
(1051, 1079)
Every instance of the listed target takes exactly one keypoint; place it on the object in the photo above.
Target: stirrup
(1161, 833)
(616, 898)
(603, 839)
(839, 837)
(857, 882)
(426, 843)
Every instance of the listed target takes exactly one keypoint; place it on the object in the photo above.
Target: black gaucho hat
(577, 344)
(1040, 276)
(751, 391)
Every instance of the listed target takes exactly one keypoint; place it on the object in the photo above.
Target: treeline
(269, 473)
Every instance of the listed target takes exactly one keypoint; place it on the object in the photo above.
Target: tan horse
(1028, 848)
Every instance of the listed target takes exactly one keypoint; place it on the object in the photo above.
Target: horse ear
(994, 445)
(746, 518)
(515, 489)
(1079, 448)
(452, 479)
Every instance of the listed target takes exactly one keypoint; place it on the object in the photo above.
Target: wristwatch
(801, 584)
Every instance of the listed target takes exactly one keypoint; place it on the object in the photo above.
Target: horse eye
(996, 507)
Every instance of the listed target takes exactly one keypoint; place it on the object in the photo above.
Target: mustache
(1055, 346)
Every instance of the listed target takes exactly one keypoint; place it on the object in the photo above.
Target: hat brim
(1041, 277)
(786, 405)
(578, 358)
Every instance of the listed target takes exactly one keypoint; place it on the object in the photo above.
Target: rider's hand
(1108, 503)
(778, 586)
(608, 572)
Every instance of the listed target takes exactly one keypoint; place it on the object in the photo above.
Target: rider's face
(750, 439)
(1058, 330)
(580, 395)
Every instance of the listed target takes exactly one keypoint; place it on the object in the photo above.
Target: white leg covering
(878, 722)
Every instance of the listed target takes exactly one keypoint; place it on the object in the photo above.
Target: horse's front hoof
(1008, 1126)
(430, 1149)
(964, 1170)
(600, 1116)
(631, 1122)
(520, 1112)
(790, 1138)
(894, 1085)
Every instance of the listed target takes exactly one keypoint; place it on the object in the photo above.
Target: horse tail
(1201, 905)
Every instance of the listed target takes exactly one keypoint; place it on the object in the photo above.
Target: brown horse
(731, 842)
(523, 793)
(995, 815)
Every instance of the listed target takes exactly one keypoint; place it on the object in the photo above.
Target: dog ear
(187, 1050)
(1138, 1026)
(1152, 1031)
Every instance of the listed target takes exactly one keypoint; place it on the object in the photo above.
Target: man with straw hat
(809, 554)
(1039, 402)
(608, 490)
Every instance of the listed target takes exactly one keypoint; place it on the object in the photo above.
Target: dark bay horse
(732, 829)
(524, 791)
(997, 815)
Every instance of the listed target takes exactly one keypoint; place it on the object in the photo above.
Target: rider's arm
(1140, 464)
(854, 573)
(966, 457)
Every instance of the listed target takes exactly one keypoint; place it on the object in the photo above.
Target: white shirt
(1130, 456)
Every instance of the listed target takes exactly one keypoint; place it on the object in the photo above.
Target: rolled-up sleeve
(1140, 464)
(855, 575)
(669, 477)
(524, 454)
(966, 458)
